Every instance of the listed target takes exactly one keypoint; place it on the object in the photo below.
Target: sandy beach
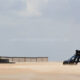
(39, 71)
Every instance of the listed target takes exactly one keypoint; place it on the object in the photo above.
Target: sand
(39, 71)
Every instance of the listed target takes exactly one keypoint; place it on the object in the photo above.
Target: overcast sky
(38, 28)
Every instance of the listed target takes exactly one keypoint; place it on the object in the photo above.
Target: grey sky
(39, 28)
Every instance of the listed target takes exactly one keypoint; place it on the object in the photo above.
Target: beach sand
(39, 71)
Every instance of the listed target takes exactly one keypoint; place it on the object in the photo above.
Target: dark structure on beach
(4, 59)
(75, 59)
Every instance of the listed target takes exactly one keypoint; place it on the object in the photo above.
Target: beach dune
(39, 71)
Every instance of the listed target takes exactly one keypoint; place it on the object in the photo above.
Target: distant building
(25, 59)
